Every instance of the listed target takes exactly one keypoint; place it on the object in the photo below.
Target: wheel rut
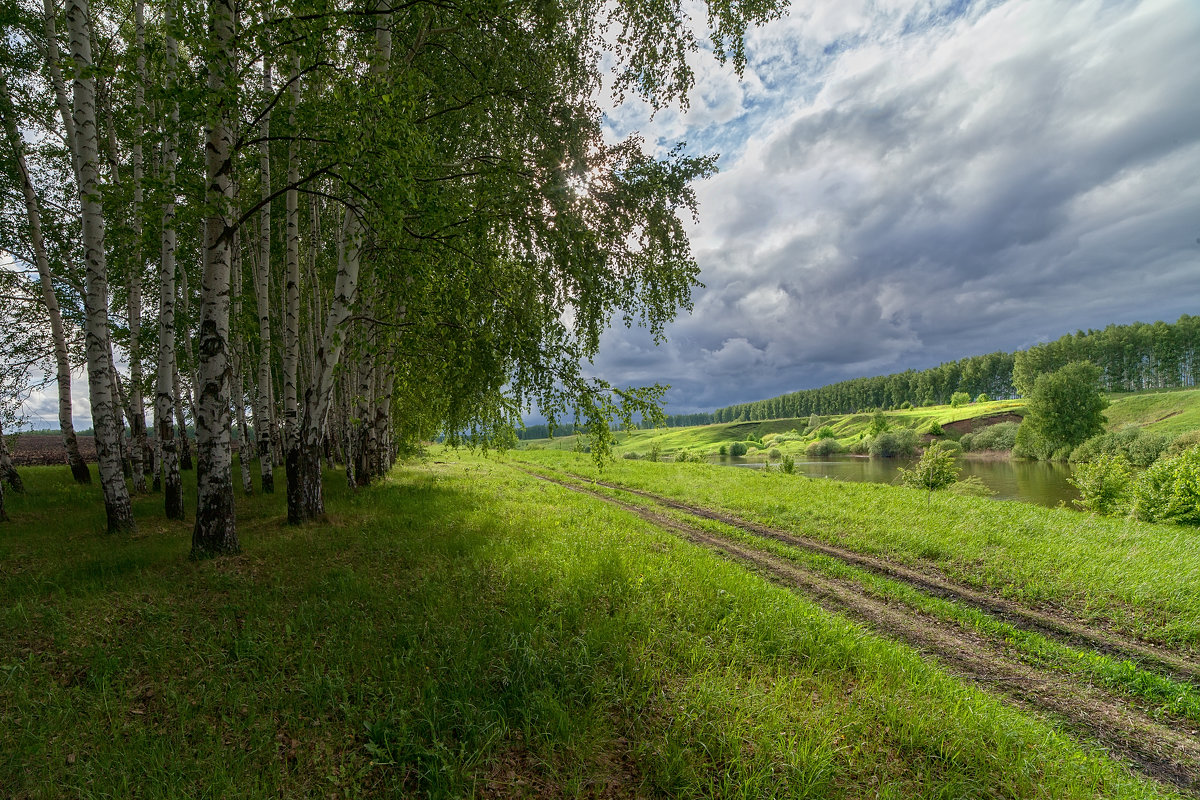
(1056, 626)
(1164, 751)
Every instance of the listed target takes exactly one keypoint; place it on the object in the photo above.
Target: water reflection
(1030, 481)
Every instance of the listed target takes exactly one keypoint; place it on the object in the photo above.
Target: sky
(906, 183)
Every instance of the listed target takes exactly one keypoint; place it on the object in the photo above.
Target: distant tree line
(1134, 357)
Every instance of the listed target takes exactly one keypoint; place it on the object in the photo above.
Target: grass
(1161, 412)
(1141, 578)
(466, 630)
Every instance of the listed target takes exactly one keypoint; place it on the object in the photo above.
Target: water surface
(1044, 483)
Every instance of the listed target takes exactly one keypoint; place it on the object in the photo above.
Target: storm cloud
(904, 184)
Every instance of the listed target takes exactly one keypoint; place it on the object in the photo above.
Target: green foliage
(1104, 484)
(723, 450)
(983, 398)
(936, 469)
(737, 449)
(971, 486)
(860, 447)
(1183, 442)
(688, 457)
(935, 429)
(906, 405)
(1140, 448)
(879, 424)
(959, 399)
(655, 453)
(823, 447)
(1001, 436)
(893, 443)
(788, 465)
(774, 454)
(1064, 410)
(1169, 490)
(629, 456)
(826, 432)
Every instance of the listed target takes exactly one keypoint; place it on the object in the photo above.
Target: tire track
(1165, 752)
(1055, 626)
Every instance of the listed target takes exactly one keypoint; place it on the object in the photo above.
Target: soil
(978, 423)
(45, 450)
(1164, 750)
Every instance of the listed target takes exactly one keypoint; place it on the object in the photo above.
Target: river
(1038, 482)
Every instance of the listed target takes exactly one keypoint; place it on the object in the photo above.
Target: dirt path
(1167, 752)
(1057, 626)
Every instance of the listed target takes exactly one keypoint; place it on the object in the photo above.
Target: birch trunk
(216, 532)
(291, 301)
(79, 468)
(185, 444)
(239, 394)
(137, 407)
(262, 296)
(118, 510)
(166, 380)
(8, 470)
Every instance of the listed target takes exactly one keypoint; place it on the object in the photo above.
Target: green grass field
(1140, 578)
(465, 629)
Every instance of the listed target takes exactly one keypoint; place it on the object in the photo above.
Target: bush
(687, 457)
(889, 444)
(879, 424)
(1001, 436)
(826, 432)
(1104, 485)
(632, 456)
(1169, 490)
(1029, 444)
(905, 405)
(935, 429)
(774, 454)
(949, 445)
(722, 450)
(983, 398)
(1183, 441)
(967, 441)
(937, 469)
(1140, 448)
(737, 449)
(814, 422)
(959, 399)
(788, 465)
(655, 452)
(860, 447)
(823, 447)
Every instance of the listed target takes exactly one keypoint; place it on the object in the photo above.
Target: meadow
(464, 628)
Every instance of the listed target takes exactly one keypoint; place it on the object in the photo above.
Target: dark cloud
(987, 179)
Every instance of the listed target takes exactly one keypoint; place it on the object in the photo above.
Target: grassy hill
(1160, 411)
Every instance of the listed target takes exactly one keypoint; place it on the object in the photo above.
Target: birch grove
(329, 234)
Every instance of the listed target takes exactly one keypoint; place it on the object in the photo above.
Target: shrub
(959, 399)
(722, 450)
(967, 441)
(1029, 444)
(1183, 442)
(1140, 448)
(906, 405)
(879, 424)
(1169, 490)
(937, 469)
(950, 445)
(737, 449)
(823, 447)
(687, 457)
(1001, 436)
(632, 456)
(814, 422)
(774, 454)
(655, 452)
(788, 465)
(983, 398)
(1103, 484)
(935, 429)
(826, 432)
(900, 442)
(860, 447)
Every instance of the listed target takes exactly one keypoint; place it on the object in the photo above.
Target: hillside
(1173, 411)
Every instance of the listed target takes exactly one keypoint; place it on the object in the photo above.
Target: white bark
(104, 412)
(137, 407)
(166, 380)
(291, 304)
(262, 295)
(215, 532)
